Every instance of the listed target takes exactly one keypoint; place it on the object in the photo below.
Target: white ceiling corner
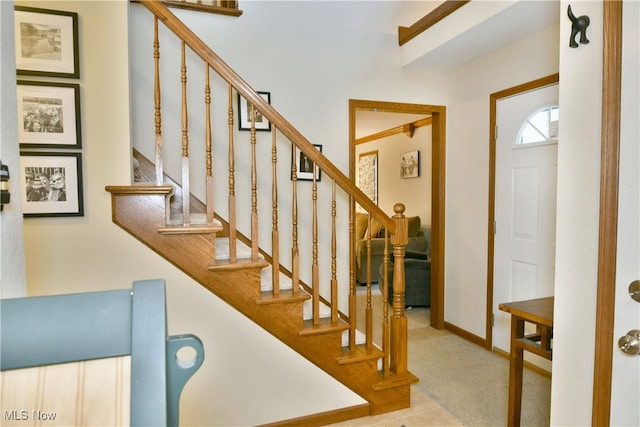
(476, 29)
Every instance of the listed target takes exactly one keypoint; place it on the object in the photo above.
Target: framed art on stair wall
(245, 109)
(304, 166)
(46, 42)
(52, 185)
(50, 114)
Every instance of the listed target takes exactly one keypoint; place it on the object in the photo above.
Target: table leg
(515, 372)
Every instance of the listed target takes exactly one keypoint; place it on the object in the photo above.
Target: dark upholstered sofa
(417, 243)
(417, 272)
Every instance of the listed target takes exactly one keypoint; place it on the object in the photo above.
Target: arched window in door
(541, 127)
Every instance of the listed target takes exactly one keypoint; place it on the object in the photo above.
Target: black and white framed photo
(46, 42)
(244, 114)
(410, 164)
(52, 184)
(49, 115)
(304, 166)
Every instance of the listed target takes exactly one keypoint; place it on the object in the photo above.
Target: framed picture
(52, 184)
(46, 42)
(368, 174)
(304, 165)
(50, 115)
(244, 114)
(410, 164)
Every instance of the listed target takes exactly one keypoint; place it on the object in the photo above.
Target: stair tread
(190, 229)
(360, 353)
(325, 325)
(239, 264)
(393, 381)
(285, 296)
(195, 219)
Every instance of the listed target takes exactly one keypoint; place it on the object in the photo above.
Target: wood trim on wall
(439, 13)
(493, 99)
(407, 128)
(608, 227)
(438, 139)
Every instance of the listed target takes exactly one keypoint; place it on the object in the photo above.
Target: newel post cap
(401, 236)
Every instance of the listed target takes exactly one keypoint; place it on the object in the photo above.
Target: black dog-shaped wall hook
(578, 25)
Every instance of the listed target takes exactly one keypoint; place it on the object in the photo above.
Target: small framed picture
(368, 174)
(410, 164)
(52, 184)
(244, 114)
(304, 166)
(46, 42)
(50, 114)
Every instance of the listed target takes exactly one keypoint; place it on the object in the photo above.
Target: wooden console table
(539, 312)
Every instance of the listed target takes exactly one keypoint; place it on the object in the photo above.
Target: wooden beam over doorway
(407, 128)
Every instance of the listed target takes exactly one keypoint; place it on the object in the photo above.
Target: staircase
(288, 285)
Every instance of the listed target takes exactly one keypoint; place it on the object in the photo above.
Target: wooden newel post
(399, 328)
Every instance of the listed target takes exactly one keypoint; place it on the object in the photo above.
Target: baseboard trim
(325, 418)
(527, 365)
(484, 344)
(462, 333)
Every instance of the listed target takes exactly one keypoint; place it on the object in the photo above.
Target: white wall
(577, 221)
(468, 167)
(12, 265)
(415, 193)
(577, 226)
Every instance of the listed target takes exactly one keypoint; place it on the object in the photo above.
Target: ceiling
(478, 28)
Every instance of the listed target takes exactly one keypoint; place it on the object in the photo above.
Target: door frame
(438, 139)
(608, 215)
(493, 101)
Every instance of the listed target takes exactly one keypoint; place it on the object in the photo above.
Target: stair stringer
(142, 214)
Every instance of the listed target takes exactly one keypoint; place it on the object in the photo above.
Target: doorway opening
(437, 171)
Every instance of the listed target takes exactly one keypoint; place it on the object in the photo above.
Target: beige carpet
(465, 379)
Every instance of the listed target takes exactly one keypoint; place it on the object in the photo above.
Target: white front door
(525, 203)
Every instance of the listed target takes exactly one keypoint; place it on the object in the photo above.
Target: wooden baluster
(315, 273)
(275, 238)
(334, 275)
(232, 184)
(399, 336)
(255, 250)
(186, 211)
(353, 309)
(156, 100)
(385, 305)
(209, 142)
(158, 120)
(368, 310)
(295, 259)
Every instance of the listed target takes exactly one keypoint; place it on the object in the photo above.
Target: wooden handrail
(229, 8)
(445, 9)
(245, 90)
